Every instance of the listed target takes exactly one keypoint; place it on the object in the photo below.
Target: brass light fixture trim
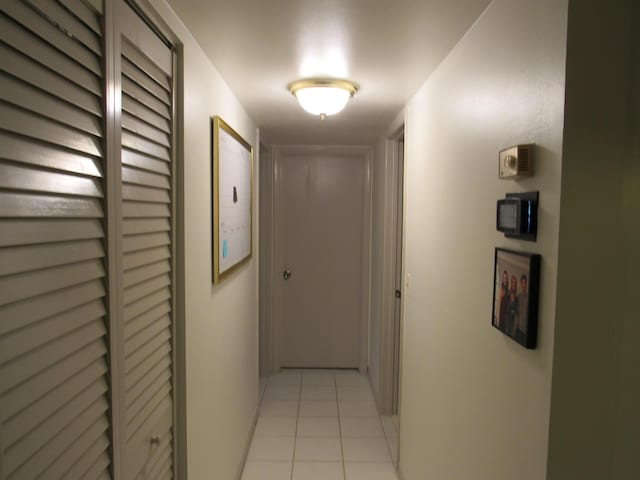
(343, 84)
(323, 96)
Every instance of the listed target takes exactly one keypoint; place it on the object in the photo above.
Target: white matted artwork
(232, 199)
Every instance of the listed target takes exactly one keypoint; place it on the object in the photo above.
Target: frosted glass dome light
(323, 96)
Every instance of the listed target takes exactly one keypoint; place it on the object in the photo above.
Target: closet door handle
(286, 274)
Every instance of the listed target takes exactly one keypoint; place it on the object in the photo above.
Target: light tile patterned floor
(321, 425)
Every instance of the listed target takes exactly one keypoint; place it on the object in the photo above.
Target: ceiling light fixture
(323, 96)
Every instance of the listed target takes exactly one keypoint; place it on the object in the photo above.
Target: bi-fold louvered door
(54, 398)
(86, 244)
(146, 72)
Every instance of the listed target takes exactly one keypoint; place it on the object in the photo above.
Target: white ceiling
(388, 47)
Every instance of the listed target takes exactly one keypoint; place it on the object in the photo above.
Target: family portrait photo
(515, 295)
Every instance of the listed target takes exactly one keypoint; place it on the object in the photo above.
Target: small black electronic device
(517, 215)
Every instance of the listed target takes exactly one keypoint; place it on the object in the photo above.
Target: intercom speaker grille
(523, 157)
(515, 162)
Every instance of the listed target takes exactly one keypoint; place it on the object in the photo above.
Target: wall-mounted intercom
(515, 162)
(517, 215)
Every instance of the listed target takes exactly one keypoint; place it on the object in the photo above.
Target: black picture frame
(515, 313)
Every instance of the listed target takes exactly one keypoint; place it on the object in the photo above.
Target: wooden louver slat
(143, 112)
(136, 74)
(145, 225)
(39, 385)
(41, 128)
(31, 363)
(26, 232)
(136, 375)
(143, 289)
(148, 179)
(24, 448)
(145, 241)
(133, 90)
(141, 128)
(35, 335)
(88, 15)
(33, 20)
(16, 177)
(145, 257)
(25, 420)
(47, 206)
(13, 90)
(162, 366)
(142, 321)
(29, 284)
(145, 194)
(145, 210)
(41, 52)
(69, 442)
(92, 464)
(21, 150)
(138, 275)
(133, 342)
(35, 257)
(73, 24)
(142, 145)
(33, 309)
(22, 67)
(143, 162)
(136, 57)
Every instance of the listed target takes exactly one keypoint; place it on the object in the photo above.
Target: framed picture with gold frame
(231, 198)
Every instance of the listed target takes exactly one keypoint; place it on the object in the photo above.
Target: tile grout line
(295, 433)
(386, 441)
(344, 468)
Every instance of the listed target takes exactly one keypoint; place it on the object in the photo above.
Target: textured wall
(221, 322)
(474, 404)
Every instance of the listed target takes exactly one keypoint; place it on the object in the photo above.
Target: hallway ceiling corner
(388, 47)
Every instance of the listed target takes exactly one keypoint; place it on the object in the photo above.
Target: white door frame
(266, 260)
(270, 279)
(389, 342)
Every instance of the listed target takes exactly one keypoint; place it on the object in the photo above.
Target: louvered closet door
(146, 72)
(53, 384)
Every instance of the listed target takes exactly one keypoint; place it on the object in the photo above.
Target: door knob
(286, 274)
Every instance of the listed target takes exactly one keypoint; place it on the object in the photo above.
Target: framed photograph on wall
(516, 279)
(232, 199)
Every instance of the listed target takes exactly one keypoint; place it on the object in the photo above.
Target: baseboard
(245, 453)
(376, 394)
(399, 472)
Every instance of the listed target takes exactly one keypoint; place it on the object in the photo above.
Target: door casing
(390, 374)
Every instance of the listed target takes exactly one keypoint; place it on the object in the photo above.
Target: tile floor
(321, 425)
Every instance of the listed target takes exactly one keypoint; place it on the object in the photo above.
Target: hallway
(320, 425)
(128, 353)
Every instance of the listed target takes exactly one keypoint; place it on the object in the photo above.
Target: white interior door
(321, 241)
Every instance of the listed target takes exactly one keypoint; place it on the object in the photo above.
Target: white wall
(221, 321)
(595, 416)
(474, 404)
